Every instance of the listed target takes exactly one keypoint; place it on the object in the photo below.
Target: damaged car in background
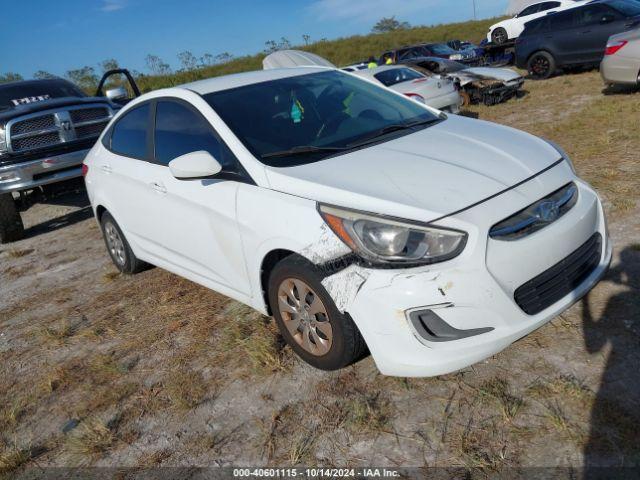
(361, 220)
(440, 93)
(487, 85)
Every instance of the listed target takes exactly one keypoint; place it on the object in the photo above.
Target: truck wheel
(309, 320)
(11, 227)
(499, 36)
(541, 65)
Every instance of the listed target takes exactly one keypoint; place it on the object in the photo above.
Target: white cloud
(367, 10)
(113, 5)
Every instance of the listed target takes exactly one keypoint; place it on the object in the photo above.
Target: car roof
(227, 82)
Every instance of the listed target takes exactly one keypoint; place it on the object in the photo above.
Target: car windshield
(303, 119)
(441, 49)
(20, 93)
(397, 75)
(627, 8)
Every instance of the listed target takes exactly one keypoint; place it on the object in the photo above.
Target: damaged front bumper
(493, 94)
(466, 305)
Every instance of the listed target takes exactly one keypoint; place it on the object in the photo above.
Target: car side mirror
(607, 18)
(117, 95)
(193, 165)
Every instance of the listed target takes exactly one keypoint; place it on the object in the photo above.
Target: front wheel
(11, 226)
(541, 65)
(308, 318)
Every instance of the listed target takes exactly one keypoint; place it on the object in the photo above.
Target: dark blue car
(573, 38)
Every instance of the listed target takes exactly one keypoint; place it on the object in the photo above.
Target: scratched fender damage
(345, 285)
(328, 247)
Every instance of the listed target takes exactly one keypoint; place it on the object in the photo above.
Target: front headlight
(456, 57)
(389, 241)
(3, 142)
(563, 154)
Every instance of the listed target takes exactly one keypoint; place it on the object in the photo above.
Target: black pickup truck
(46, 129)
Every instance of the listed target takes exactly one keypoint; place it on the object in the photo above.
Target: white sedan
(511, 28)
(435, 91)
(361, 220)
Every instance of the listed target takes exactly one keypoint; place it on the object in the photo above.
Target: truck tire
(11, 227)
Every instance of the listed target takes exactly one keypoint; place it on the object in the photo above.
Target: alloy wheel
(115, 243)
(305, 316)
(499, 36)
(540, 66)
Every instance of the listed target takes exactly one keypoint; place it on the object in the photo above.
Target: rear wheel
(499, 36)
(11, 226)
(118, 247)
(308, 318)
(541, 65)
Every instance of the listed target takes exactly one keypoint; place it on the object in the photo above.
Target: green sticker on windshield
(296, 112)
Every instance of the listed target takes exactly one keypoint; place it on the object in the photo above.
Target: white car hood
(424, 175)
(503, 74)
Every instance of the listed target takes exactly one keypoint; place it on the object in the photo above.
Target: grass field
(341, 51)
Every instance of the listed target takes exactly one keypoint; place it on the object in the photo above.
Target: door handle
(158, 187)
(106, 168)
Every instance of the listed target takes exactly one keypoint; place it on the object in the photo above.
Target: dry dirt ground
(102, 369)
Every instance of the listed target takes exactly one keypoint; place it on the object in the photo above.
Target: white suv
(360, 219)
(511, 28)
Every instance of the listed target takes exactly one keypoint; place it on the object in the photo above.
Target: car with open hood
(488, 85)
(361, 220)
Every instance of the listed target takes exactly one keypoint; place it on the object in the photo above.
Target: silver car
(621, 63)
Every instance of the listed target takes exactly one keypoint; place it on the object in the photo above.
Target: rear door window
(529, 11)
(180, 130)
(560, 21)
(548, 6)
(397, 75)
(129, 134)
(589, 15)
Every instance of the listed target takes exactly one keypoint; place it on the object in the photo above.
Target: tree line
(87, 77)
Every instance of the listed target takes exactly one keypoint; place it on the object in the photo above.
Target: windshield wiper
(390, 129)
(301, 150)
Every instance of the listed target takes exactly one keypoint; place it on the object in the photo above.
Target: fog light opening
(430, 327)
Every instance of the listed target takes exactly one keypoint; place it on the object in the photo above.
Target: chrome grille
(37, 141)
(34, 124)
(88, 114)
(46, 129)
(93, 130)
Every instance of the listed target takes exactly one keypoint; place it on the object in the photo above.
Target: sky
(57, 36)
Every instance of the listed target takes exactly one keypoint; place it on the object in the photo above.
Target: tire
(11, 226)
(119, 250)
(324, 338)
(499, 36)
(541, 65)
